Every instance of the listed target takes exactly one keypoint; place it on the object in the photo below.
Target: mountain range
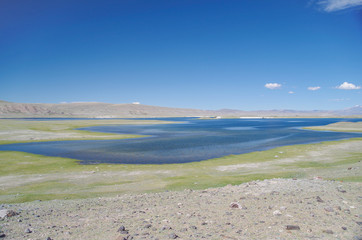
(136, 110)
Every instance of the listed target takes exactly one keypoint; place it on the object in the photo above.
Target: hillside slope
(108, 110)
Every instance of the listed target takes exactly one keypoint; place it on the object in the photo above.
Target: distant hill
(108, 110)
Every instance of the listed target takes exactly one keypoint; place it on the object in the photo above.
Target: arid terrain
(270, 209)
(107, 110)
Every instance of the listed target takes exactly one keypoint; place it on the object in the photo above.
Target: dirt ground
(270, 209)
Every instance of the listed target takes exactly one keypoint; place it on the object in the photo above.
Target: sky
(204, 54)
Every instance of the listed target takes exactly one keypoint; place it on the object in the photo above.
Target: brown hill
(108, 110)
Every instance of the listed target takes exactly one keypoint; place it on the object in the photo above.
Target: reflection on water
(188, 141)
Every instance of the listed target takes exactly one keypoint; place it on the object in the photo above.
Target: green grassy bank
(28, 177)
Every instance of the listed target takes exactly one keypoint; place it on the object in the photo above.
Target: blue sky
(206, 54)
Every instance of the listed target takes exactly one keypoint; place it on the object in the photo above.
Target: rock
(344, 228)
(359, 223)
(193, 227)
(328, 231)
(129, 237)
(7, 213)
(292, 227)
(341, 190)
(235, 205)
(49, 238)
(122, 230)
(3, 213)
(165, 228)
(2, 234)
(357, 238)
(148, 225)
(277, 213)
(28, 230)
(172, 236)
(329, 209)
(319, 199)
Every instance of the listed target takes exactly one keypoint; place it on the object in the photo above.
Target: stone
(28, 230)
(129, 237)
(172, 236)
(329, 209)
(319, 199)
(328, 231)
(49, 238)
(148, 225)
(344, 228)
(122, 230)
(3, 213)
(277, 213)
(292, 227)
(165, 228)
(341, 190)
(2, 234)
(235, 205)
(7, 213)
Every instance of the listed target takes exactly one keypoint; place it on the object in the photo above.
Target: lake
(189, 140)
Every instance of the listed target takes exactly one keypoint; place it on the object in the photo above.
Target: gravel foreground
(269, 209)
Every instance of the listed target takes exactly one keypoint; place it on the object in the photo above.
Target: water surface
(187, 141)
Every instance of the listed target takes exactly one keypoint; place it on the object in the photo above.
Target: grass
(16, 131)
(316, 165)
(339, 127)
(348, 179)
(27, 177)
(204, 181)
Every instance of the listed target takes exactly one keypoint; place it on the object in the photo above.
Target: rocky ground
(269, 209)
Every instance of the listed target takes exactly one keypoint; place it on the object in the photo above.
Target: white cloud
(348, 86)
(273, 85)
(291, 92)
(336, 5)
(314, 88)
(340, 99)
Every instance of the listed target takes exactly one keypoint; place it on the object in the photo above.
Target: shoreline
(27, 177)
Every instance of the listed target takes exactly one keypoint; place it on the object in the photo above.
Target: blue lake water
(189, 140)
